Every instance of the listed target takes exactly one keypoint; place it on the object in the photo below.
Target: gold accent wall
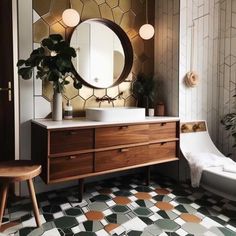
(129, 14)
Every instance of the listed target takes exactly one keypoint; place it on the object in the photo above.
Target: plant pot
(57, 106)
(151, 112)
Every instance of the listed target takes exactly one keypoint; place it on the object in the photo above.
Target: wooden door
(7, 151)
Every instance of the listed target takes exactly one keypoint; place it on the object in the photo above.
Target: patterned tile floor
(125, 206)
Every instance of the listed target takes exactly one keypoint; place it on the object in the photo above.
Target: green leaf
(25, 72)
(77, 84)
(20, 63)
(56, 37)
(48, 43)
(69, 51)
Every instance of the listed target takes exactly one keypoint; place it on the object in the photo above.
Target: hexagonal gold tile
(40, 30)
(125, 88)
(125, 5)
(49, 18)
(77, 5)
(99, 92)
(112, 3)
(106, 12)
(86, 92)
(138, 46)
(91, 102)
(99, 2)
(117, 14)
(78, 104)
(138, 6)
(47, 91)
(140, 19)
(130, 102)
(90, 10)
(113, 91)
(132, 33)
(137, 66)
(120, 102)
(127, 21)
(57, 28)
(69, 90)
(41, 6)
(57, 8)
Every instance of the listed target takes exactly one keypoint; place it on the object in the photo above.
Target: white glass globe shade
(70, 17)
(146, 31)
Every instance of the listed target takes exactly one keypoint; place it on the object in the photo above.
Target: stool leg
(3, 202)
(34, 201)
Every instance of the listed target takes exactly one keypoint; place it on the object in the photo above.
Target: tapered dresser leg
(148, 174)
(81, 189)
(3, 201)
(34, 201)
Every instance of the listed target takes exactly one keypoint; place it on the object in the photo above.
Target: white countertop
(82, 122)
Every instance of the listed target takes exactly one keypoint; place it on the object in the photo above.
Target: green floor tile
(65, 222)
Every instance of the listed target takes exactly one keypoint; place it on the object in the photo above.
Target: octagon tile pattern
(124, 208)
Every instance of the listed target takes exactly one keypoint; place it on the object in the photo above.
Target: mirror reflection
(100, 56)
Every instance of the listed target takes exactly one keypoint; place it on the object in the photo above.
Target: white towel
(199, 161)
(230, 168)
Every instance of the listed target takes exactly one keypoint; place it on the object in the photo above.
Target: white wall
(214, 59)
(199, 46)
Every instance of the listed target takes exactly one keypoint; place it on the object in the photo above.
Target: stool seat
(15, 171)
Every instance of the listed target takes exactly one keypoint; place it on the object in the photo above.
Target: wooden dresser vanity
(76, 149)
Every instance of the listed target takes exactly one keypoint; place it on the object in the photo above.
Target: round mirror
(104, 53)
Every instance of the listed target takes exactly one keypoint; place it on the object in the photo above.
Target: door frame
(16, 85)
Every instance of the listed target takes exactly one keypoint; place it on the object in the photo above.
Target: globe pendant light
(70, 17)
(147, 30)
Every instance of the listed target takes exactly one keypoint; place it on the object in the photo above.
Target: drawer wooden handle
(124, 127)
(72, 132)
(163, 124)
(163, 143)
(72, 157)
(124, 150)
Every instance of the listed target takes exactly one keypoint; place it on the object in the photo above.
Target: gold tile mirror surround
(104, 53)
(128, 14)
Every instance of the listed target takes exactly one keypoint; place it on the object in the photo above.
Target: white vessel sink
(115, 114)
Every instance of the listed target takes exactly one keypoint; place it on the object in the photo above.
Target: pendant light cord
(147, 11)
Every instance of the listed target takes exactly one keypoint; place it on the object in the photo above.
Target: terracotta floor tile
(122, 200)
(165, 206)
(190, 218)
(110, 227)
(94, 215)
(143, 196)
(162, 191)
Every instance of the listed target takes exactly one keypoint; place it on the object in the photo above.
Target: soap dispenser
(68, 111)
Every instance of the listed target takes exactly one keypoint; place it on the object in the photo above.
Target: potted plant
(229, 121)
(52, 61)
(145, 90)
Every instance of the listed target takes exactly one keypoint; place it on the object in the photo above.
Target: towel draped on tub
(199, 161)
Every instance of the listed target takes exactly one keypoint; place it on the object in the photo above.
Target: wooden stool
(15, 171)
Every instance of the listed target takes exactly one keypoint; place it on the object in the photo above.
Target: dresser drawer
(62, 167)
(162, 151)
(120, 135)
(71, 140)
(119, 158)
(162, 131)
